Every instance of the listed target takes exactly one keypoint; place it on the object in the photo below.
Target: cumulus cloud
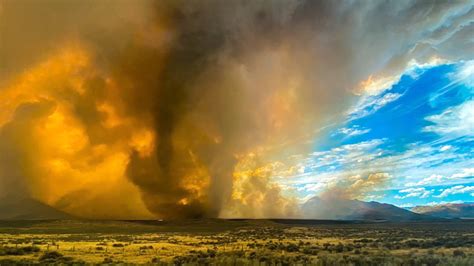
(431, 180)
(355, 187)
(414, 192)
(363, 185)
(460, 189)
(466, 172)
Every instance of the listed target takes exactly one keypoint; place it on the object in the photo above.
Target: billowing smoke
(133, 109)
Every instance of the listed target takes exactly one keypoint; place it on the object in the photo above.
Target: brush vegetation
(236, 242)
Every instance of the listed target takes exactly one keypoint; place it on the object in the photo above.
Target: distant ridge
(449, 210)
(29, 209)
(315, 208)
(344, 209)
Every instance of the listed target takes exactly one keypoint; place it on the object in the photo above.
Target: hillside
(29, 209)
(450, 210)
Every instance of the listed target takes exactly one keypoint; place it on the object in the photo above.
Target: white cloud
(466, 74)
(370, 104)
(466, 172)
(414, 167)
(422, 164)
(353, 131)
(456, 121)
(414, 192)
(431, 180)
(445, 147)
(460, 189)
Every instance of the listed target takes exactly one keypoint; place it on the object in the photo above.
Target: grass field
(236, 242)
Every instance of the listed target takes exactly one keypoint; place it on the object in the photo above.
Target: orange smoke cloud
(159, 114)
(254, 195)
(48, 148)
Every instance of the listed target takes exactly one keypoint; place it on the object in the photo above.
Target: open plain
(236, 242)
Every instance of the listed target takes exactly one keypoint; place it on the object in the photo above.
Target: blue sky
(417, 135)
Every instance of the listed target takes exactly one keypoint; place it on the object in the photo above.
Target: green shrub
(458, 253)
(18, 251)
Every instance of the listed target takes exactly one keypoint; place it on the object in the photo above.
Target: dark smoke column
(185, 147)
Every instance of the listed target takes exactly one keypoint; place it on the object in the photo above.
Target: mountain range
(448, 210)
(346, 209)
(314, 208)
